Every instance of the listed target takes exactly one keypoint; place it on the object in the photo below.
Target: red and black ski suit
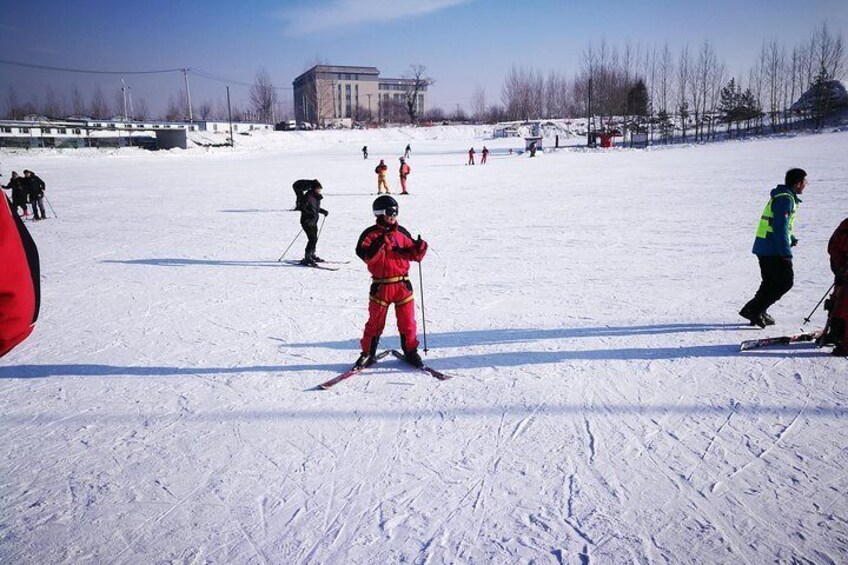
(19, 280)
(387, 249)
(837, 248)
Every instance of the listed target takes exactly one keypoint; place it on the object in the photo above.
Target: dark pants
(311, 231)
(778, 277)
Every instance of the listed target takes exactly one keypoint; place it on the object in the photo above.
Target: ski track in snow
(163, 410)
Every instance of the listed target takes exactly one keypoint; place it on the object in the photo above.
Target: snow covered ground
(163, 410)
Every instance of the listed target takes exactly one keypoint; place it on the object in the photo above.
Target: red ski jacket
(388, 249)
(20, 292)
(837, 248)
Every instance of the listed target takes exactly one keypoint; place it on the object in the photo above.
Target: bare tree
(416, 83)
(53, 106)
(141, 110)
(684, 83)
(263, 96)
(478, 103)
(205, 110)
(77, 102)
(98, 107)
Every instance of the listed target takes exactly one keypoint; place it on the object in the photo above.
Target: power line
(88, 71)
(211, 76)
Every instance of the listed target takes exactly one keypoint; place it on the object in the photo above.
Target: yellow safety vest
(764, 228)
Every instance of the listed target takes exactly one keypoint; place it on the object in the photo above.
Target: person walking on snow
(365, 152)
(485, 155)
(404, 172)
(381, 177)
(407, 151)
(309, 212)
(470, 156)
(773, 247)
(387, 248)
(837, 306)
(301, 187)
(35, 189)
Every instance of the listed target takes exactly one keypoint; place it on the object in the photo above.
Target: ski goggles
(391, 211)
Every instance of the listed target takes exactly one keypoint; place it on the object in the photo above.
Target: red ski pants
(384, 295)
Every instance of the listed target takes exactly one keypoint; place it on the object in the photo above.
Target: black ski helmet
(385, 204)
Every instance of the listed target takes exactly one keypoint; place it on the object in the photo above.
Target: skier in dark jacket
(309, 211)
(387, 248)
(773, 247)
(837, 306)
(301, 187)
(19, 193)
(35, 189)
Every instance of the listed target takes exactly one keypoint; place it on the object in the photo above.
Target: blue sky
(463, 43)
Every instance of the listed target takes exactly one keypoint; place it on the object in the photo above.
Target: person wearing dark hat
(387, 248)
(35, 189)
(301, 187)
(309, 211)
(19, 193)
(773, 247)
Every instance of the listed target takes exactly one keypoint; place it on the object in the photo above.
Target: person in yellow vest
(773, 247)
(381, 177)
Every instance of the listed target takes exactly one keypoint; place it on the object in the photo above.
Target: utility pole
(124, 92)
(188, 95)
(230, 115)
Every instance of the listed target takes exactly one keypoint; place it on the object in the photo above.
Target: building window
(62, 130)
(24, 130)
(77, 131)
(7, 130)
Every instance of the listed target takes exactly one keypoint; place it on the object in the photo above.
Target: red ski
(353, 371)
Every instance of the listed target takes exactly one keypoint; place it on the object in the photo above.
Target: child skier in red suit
(387, 248)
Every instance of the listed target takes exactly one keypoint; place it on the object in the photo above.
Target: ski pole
(807, 319)
(324, 219)
(51, 207)
(290, 245)
(423, 315)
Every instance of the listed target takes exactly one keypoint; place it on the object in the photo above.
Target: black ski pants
(311, 231)
(778, 277)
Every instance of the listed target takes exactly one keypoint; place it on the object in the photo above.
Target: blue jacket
(774, 234)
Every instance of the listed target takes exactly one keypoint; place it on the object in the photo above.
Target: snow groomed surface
(585, 302)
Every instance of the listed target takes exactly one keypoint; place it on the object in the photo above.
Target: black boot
(413, 358)
(756, 318)
(767, 319)
(365, 360)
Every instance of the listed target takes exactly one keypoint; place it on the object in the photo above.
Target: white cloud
(351, 13)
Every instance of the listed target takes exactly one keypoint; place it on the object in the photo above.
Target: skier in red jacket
(387, 248)
(404, 172)
(19, 280)
(837, 248)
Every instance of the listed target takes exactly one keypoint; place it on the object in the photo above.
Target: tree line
(653, 89)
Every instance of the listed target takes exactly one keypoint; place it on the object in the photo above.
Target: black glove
(419, 243)
(793, 241)
(375, 245)
(322, 211)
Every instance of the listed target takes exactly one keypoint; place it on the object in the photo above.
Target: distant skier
(533, 149)
(387, 248)
(837, 306)
(773, 247)
(404, 172)
(19, 193)
(309, 212)
(470, 156)
(365, 152)
(485, 155)
(301, 187)
(20, 282)
(381, 177)
(407, 151)
(35, 189)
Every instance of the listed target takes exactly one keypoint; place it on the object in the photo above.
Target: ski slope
(585, 302)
